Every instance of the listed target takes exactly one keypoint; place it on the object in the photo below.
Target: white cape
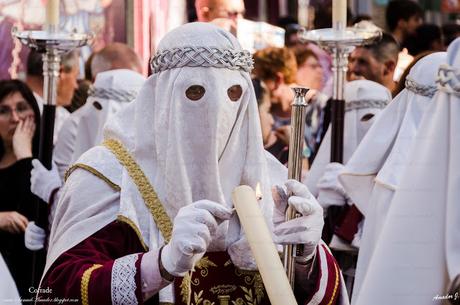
(418, 250)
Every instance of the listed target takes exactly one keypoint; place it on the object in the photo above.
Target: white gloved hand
(241, 255)
(194, 226)
(330, 191)
(43, 181)
(34, 238)
(306, 229)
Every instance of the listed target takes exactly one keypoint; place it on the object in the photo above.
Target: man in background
(375, 62)
(403, 18)
(66, 84)
(223, 13)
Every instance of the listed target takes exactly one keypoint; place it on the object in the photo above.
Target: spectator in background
(66, 84)
(310, 74)
(80, 95)
(223, 13)
(375, 62)
(275, 141)
(427, 37)
(309, 70)
(450, 32)
(277, 68)
(19, 139)
(403, 17)
(292, 40)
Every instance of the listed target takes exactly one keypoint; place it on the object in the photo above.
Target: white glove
(194, 226)
(241, 255)
(330, 191)
(43, 181)
(34, 238)
(304, 230)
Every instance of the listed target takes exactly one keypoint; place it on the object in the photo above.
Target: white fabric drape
(374, 171)
(418, 249)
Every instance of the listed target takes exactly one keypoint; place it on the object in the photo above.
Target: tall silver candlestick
(296, 141)
(52, 44)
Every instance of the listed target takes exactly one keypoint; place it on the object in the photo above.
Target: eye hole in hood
(195, 92)
(235, 92)
(367, 117)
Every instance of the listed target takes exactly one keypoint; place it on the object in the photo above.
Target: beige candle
(258, 235)
(339, 14)
(52, 14)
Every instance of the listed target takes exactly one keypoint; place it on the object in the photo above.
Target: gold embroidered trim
(336, 285)
(131, 223)
(186, 285)
(85, 283)
(145, 188)
(92, 171)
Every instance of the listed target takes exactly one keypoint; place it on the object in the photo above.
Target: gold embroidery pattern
(203, 264)
(253, 278)
(248, 296)
(239, 301)
(145, 188)
(198, 299)
(223, 289)
(92, 171)
(185, 287)
(85, 283)
(252, 296)
(131, 223)
(336, 284)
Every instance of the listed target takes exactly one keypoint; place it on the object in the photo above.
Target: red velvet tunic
(215, 277)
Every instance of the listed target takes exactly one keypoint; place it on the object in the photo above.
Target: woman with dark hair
(19, 136)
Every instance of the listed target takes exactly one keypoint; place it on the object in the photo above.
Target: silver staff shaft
(298, 112)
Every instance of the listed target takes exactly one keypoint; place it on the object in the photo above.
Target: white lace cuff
(123, 280)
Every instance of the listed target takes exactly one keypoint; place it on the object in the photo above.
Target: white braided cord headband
(118, 95)
(449, 79)
(201, 57)
(424, 90)
(362, 104)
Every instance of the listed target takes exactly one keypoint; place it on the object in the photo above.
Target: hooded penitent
(193, 130)
(374, 171)
(364, 99)
(416, 254)
(111, 91)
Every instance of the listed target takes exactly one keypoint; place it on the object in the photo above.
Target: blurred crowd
(112, 76)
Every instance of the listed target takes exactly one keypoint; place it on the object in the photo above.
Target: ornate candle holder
(340, 42)
(52, 44)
